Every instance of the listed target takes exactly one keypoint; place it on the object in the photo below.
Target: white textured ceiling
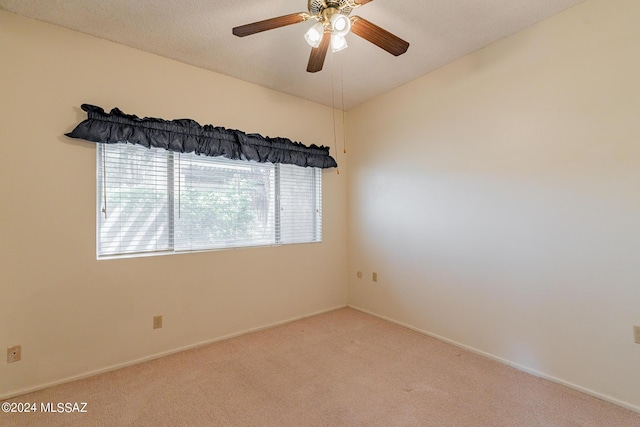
(198, 32)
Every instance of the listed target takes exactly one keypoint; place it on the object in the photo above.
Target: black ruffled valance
(187, 136)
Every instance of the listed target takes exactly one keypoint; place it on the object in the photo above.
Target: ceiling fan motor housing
(317, 7)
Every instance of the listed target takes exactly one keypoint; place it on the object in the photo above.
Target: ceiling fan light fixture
(340, 24)
(338, 43)
(314, 35)
(330, 29)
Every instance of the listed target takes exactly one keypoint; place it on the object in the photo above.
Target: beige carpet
(343, 368)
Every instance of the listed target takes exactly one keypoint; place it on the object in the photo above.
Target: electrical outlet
(375, 277)
(157, 322)
(14, 354)
(636, 334)
(359, 274)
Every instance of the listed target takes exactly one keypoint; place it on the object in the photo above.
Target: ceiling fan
(333, 24)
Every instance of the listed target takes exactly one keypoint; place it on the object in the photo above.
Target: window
(153, 201)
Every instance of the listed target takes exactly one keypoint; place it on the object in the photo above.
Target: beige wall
(73, 314)
(498, 199)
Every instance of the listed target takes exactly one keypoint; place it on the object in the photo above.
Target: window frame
(173, 197)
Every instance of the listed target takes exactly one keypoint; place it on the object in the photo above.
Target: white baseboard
(576, 387)
(158, 355)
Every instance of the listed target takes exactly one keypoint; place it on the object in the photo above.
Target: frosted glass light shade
(340, 24)
(314, 35)
(338, 43)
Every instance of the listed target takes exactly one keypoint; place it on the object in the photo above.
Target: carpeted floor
(343, 368)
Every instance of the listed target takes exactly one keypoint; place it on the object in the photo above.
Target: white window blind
(156, 201)
(133, 200)
(300, 204)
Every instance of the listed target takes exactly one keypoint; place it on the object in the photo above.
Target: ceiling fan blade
(318, 54)
(378, 36)
(270, 24)
(361, 2)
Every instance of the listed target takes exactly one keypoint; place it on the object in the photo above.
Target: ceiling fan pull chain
(344, 124)
(333, 110)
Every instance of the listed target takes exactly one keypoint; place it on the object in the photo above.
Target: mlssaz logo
(65, 408)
